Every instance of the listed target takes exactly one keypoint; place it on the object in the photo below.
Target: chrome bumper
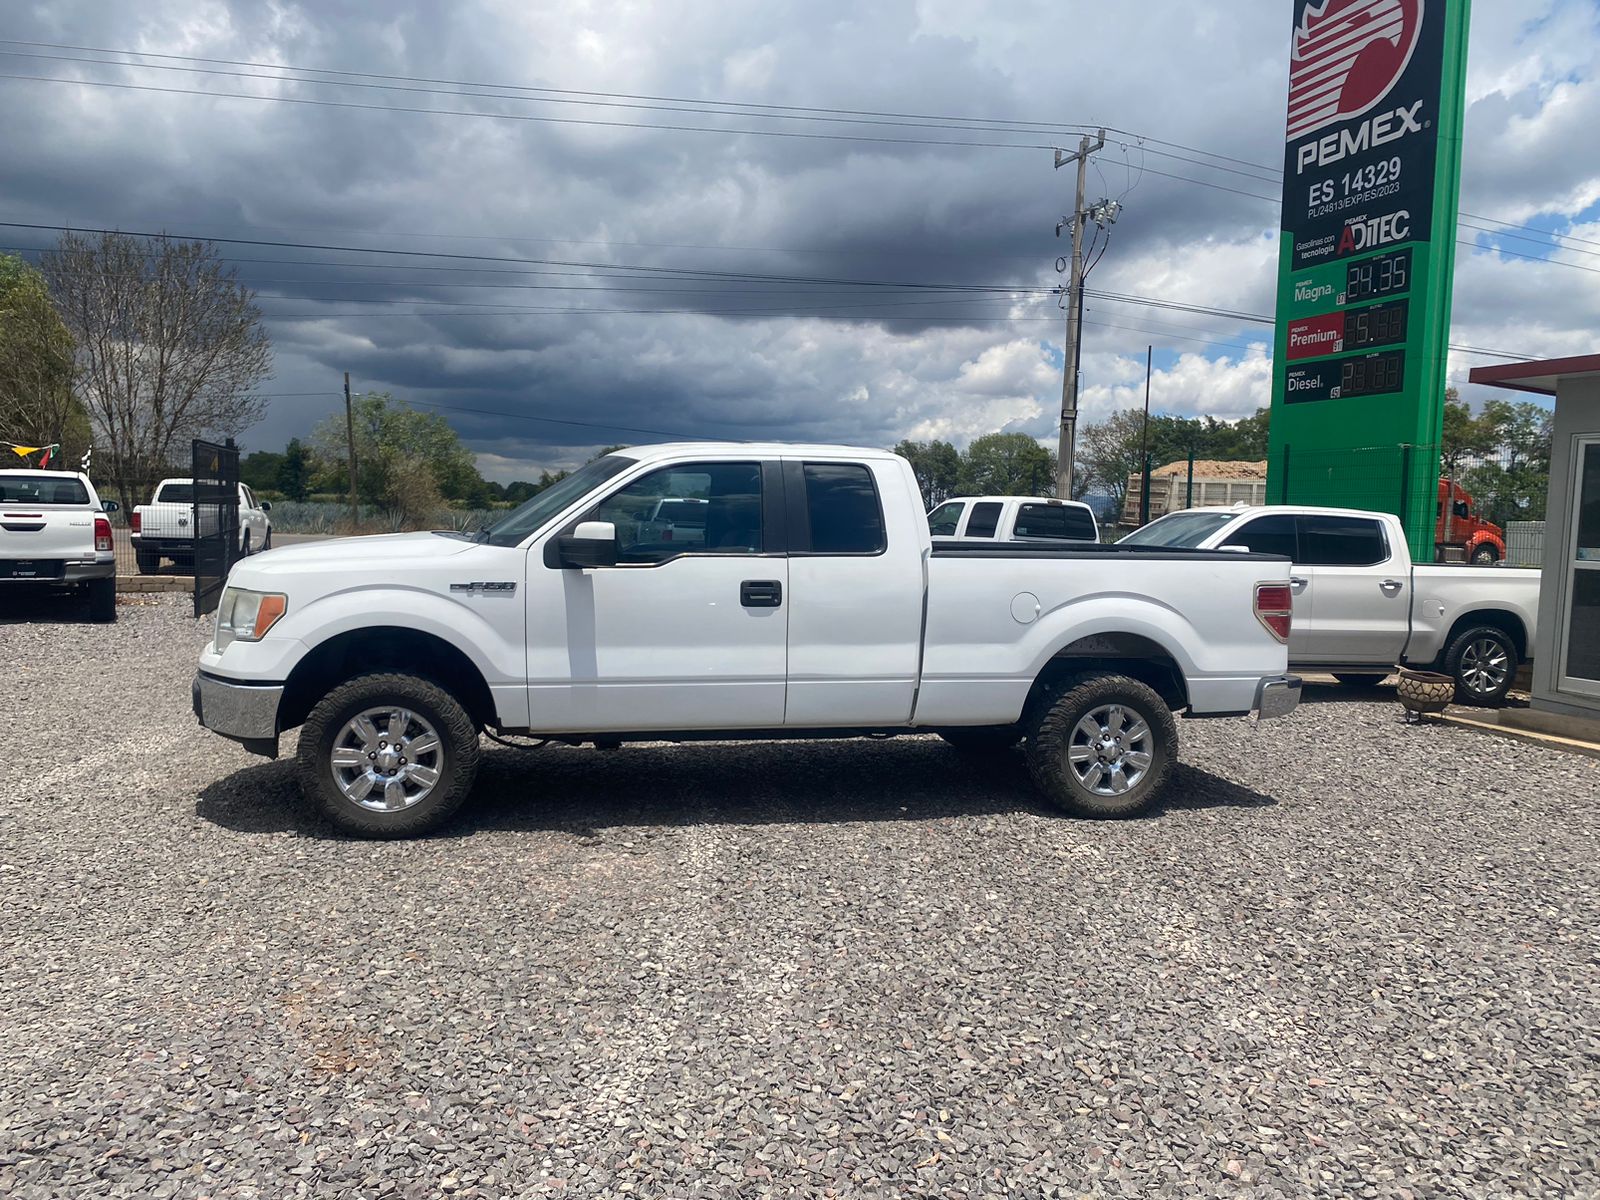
(245, 713)
(1277, 696)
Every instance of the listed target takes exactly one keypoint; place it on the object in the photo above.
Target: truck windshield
(1185, 529)
(536, 510)
(36, 490)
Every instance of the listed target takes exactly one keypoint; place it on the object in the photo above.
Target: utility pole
(350, 439)
(1144, 443)
(1069, 371)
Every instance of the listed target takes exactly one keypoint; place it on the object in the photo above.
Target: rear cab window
(1060, 521)
(175, 493)
(984, 521)
(843, 511)
(39, 492)
(1330, 541)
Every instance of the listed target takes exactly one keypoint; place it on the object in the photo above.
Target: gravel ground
(1349, 958)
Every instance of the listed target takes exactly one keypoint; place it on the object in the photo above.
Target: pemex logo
(1347, 54)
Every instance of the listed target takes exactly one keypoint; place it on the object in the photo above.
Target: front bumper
(246, 713)
(1277, 696)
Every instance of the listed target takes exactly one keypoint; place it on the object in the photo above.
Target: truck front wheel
(1103, 747)
(1485, 555)
(388, 756)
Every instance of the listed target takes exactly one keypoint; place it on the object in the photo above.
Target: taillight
(1275, 608)
(102, 534)
(133, 523)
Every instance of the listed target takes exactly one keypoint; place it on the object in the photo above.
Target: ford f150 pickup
(1361, 607)
(813, 603)
(54, 533)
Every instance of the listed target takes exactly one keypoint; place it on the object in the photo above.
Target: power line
(528, 117)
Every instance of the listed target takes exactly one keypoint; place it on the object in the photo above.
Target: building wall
(1577, 415)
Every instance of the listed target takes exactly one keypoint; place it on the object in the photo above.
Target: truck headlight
(246, 616)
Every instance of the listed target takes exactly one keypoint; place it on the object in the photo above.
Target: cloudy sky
(568, 224)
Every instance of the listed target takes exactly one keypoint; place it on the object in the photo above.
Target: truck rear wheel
(149, 564)
(388, 755)
(1483, 662)
(1103, 747)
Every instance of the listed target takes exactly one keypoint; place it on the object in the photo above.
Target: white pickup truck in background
(1014, 518)
(1361, 607)
(54, 533)
(813, 604)
(164, 528)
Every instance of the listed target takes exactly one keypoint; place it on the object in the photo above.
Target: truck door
(1360, 589)
(857, 575)
(683, 632)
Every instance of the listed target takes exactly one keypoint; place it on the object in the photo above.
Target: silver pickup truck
(1361, 607)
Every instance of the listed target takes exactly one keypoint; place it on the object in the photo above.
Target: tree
(407, 461)
(294, 473)
(259, 469)
(1008, 464)
(37, 404)
(937, 467)
(1109, 452)
(170, 346)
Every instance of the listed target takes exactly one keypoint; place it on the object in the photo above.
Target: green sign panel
(1372, 167)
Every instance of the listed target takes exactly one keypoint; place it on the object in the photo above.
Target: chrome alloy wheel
(1484, 666)
(387, 759)
(1110, 750)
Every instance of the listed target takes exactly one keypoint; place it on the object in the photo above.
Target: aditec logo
(1347, 54)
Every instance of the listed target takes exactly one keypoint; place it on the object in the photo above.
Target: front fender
(486, 643)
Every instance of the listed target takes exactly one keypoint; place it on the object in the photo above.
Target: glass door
(1580, 619)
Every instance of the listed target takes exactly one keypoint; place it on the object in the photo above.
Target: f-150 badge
(504, 588)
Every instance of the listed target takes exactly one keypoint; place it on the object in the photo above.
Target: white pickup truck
(1361, 607)
(54, 533)
(164, 528)
(1014, 518)
(813, 605)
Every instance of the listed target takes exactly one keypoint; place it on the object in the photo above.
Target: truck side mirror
(591, 544)
(110, 506)
(266, 506)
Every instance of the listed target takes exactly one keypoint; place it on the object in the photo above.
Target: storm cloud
(544, 267)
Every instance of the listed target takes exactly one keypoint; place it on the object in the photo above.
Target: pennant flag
(49, 453)
(24, 451)
(88, 456)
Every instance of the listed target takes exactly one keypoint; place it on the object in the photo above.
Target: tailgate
(166, 521)
(45, 532)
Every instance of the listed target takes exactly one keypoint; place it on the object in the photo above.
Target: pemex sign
(1372, 164)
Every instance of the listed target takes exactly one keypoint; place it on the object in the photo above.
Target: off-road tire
(1361, 678)
(244, 545)
(1457, 664)
(1050, 729)
(102, 597)
(982, 739)
(456, 731)
(149, 564)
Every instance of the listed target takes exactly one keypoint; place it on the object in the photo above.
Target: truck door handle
(761, 593)
(1391, 586)
(1297, 583)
